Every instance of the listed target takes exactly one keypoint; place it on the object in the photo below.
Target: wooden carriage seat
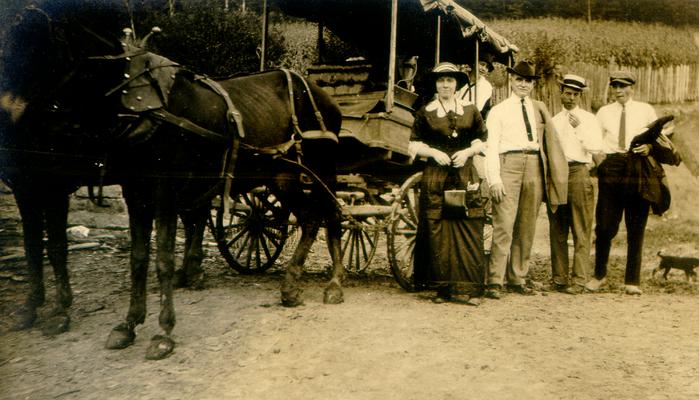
(368, 131)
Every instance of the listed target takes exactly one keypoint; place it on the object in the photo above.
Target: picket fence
(674, 84)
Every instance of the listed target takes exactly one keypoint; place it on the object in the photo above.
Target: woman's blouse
(448, 127)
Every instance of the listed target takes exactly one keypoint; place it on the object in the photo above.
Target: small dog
(686, 264)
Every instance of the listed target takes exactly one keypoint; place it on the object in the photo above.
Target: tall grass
(566, 41)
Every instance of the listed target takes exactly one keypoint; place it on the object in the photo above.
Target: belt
(575, 163)
(522, 152)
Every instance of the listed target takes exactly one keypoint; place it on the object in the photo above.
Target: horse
(59, 132)
(63, 125)
(225, 137)
(49, 141)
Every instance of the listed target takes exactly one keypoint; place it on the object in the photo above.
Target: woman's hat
(573, 82)
(525, 69)
(449, 69)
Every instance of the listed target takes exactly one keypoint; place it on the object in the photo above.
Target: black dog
(686, 264)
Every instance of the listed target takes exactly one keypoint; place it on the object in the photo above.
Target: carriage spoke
(238, 236)
(265, 247)
(272, 236)
(243, 246)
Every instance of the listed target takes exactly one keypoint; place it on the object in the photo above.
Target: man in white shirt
(523, 159)
(618, 196)
(580, 136)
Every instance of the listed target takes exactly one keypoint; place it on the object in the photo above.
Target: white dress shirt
(482, 90)
(638, 116)
(507, 132)
(579, 142)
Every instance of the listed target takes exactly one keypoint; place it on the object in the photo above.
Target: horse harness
(149, 78)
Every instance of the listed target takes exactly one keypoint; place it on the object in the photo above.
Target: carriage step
(369, 210)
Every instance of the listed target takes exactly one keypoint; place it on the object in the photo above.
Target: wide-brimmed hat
(573, 81)
(525, 68)
(449, 69)
(626, 78)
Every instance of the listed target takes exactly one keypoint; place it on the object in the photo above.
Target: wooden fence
(675, 84)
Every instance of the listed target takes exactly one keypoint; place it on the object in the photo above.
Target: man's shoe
(633, 290)
(493, 293)
(523, 290)
(558, 287)
(595, 284)
(575, 289)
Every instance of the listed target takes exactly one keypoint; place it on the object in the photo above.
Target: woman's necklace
(451, 116)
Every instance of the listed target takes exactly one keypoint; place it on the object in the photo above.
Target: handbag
(460, 204)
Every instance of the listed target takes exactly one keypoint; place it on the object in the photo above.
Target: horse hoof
(196, 282)
(56, 325)
(120, 337)
(333, 295)
(292, 298)
(26, 316)
(160, 347)
(295, 302)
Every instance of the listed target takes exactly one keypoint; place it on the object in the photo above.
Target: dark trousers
(618, 195)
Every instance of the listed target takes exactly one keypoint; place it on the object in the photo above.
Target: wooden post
(477, 75)
(392, 56)
(439, 40)
(263, 47)
(321, 43)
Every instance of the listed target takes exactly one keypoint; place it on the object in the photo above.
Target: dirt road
(235, 341)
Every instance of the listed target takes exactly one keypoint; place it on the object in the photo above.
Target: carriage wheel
(359, 242)
(252, 234)
(402, 232)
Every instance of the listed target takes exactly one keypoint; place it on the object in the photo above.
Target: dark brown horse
(51, 139)
(58, 131)
(194, 138)
(62, 123)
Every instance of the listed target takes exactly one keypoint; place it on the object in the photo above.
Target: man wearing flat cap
(580, 136)
(524, 165)
(618, 188)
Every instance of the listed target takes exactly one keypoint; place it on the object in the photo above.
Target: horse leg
(30, 209)
(140, 206)
(333, 292)
(291, 292)
(192, 275)
(166, 227)
(56, 216)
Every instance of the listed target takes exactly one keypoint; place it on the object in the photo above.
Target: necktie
(622, 128)
(526, 122)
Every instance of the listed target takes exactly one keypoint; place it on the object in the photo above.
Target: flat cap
(623, 77)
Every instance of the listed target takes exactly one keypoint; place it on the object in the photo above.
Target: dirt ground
(235, 340)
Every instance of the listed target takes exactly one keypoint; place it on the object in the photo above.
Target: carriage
(378, 92)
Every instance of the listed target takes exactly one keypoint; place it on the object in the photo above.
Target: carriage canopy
(367, 25)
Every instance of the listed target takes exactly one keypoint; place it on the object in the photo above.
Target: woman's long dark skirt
(449, 252)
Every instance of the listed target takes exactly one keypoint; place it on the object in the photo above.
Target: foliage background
(212, 39)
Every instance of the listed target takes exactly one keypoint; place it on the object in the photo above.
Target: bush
(228, 44)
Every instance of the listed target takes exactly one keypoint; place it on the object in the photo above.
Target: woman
(448, 250)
